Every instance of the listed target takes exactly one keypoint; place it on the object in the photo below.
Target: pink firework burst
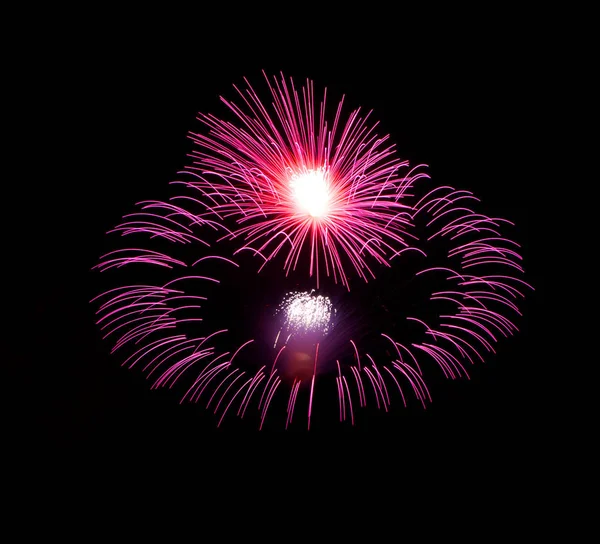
(287, 183)
(290, 180)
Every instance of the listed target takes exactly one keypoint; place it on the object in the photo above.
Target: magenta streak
(361, 391)
(483, 261)
(216, 257)
(349, 399)
(219, 386)
(451, 359)
(155, 230)
(485, 343)
(356, 351)
(181, 278)
(187, 362)
(465, 196)
(457, 302)
(422, 390)
(408, 249)
(240, 349)
(414, 386)
(140, 331)
(438, 216)
(468, 296)
(268, 401)
(485, 295)
(210, 336)
(227, 391)
(150, 347)
(123, 288)
(473, 249)
(132, 295)
(260, 402)
(513, 279)
(427, 328)
(341, 392)
(248, 383)
(426, 199)
(253, 387)
(147, 214)
(397, 384)
(201, 376)
(441, 361)
(469, 228)
(106, 265)
(140, 309)
(207, 377)
(249, 248)
(166, 356)
(340, 398)
(382, 383)
(377, 380)
(418, 385)
(504, 325)
(439, 268)
(292, 402)
(474, 322)
(411, 356)
(312, 385)
(459, 348)
(174, 372)
(376, 388)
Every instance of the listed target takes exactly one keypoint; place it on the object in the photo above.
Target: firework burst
(290, 180)
(296, 194)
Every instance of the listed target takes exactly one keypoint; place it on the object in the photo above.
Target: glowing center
(311, 192)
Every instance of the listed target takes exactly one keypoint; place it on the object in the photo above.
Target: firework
(247, 277)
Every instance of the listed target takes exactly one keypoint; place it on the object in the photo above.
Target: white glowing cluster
(305, 312)
(310, 190)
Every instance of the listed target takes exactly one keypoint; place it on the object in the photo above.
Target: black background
(114, 105)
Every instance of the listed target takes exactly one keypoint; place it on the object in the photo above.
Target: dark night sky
(469, 107)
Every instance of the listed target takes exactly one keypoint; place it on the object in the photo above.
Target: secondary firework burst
(304, 313)
(295, 192)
